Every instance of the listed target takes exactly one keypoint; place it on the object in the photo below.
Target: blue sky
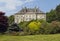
(12, 6)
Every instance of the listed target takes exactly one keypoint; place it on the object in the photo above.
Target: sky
(10, 7)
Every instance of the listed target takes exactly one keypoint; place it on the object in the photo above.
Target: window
(27, 19)
(29, 15)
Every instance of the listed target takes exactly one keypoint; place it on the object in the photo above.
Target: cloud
(29, 0)
(10, 5)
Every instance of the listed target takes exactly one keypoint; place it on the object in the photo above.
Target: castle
(27, 14)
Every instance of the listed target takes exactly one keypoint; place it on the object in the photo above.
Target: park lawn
(55, 37)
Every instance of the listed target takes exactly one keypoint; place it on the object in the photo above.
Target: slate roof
(30, 10)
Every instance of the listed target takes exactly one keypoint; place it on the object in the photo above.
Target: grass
(55, 37)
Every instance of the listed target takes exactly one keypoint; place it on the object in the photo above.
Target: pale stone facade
(27, 14)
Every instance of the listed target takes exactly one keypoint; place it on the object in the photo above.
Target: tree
(23, 26)
(11, 19)
(14, 27)
(58, 12)
(3, 22)
(51, 16)
(54, 15)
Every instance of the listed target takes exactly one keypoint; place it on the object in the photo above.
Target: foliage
(58, 12)
(50, 28)
(45, 28)
(14, 27)
(34, 27)
(3, 22)
(40, 27)
(51, 16)
(55, 27)
(11, 19)
(23, 26)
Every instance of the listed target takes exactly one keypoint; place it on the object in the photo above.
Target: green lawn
(55, 37)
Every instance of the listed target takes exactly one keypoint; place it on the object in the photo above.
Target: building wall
(28, 17)
(41, 16)
(18, 18)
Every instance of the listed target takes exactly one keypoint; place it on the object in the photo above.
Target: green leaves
(34, 26)
(11, 19)
(58, 12)
(53, 15)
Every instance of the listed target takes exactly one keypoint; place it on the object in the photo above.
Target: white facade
(28, 16)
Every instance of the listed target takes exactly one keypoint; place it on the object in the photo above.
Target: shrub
(50, 28)
(55, 27)
(40, 27)
(34, 27)
(23, 24)
(45, 28)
